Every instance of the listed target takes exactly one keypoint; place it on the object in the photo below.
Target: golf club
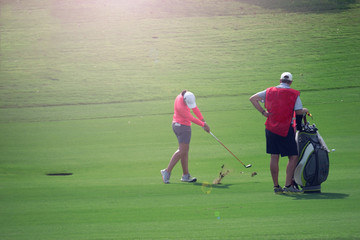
(246, 166)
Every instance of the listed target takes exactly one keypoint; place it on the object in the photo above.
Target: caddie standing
(280, 103)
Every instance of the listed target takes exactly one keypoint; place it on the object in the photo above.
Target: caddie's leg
(274, 168)
(293, 160)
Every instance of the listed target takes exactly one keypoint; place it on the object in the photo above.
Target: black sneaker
(278, 190)
(291, 190)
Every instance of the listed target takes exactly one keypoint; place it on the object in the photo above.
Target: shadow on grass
(303, 5)
(220, 186)
(311, 196)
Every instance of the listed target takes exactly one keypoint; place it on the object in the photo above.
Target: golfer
(181, 125)
(280, 103)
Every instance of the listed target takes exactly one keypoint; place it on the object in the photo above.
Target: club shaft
(227, 148)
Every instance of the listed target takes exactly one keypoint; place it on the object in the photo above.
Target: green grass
(88, 88)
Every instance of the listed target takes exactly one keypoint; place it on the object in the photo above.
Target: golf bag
(313, 166)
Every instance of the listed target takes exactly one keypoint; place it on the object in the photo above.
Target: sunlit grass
(87, 87)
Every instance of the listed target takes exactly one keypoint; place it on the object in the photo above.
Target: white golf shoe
(165, 176)
(188, 178)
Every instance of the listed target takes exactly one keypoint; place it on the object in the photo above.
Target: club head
(248, 166)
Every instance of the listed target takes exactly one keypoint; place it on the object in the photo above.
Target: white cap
(189, 98)
(286, 76)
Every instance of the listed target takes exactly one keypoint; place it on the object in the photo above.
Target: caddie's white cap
(286, 76)
(189, 98)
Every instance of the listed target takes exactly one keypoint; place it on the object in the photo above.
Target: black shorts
(285, 146)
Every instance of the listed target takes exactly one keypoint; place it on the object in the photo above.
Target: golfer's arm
(255, 100)
(198, 114)
(188, 115)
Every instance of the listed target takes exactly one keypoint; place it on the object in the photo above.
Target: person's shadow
(311, 196)
(302, 5)
(221, 185)
(295, 196)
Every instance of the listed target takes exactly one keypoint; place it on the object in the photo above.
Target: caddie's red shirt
(280, 104)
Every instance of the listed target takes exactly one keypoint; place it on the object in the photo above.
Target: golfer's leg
(290, 169)
(274, 168)
(174, 159)
(184, 149)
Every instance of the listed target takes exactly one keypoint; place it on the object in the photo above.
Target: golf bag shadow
(313, 166)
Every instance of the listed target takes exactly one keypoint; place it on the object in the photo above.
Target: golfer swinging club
(181, 125)
(280, 103)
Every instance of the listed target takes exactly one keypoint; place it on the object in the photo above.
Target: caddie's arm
(255, 100)
(301, 111)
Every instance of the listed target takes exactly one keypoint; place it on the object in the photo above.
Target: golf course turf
(86, 102)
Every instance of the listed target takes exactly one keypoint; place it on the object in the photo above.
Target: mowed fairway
(87, 88)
